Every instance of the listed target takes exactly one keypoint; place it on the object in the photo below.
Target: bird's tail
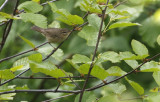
(38, 29)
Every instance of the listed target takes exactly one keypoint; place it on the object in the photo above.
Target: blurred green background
(145, 12)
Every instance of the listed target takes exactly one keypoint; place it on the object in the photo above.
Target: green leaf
(91, 6)
(36, 57)
(96, 71)
(109, 98)
(47, 68)
(148, 35)
(53, 6)
(58, 55)
(66, 17)
(158, 39)
(77, 58)
(64, 20)
(13, 69)
(36, 19)
(139, 48)
(2, 19)
(7, 96)
(27, 41)
(117, 14)
(92, 18)
(156, 89)
(150, 67)
(75, 19)
(25, 87)
(54, 24)
(156, 76)
(129, 58)
(90, 34)
(6, 74)
(30, 7)
(109, 56)
(23, 61)
(88, 97)
(117, 88)
(63, 12)
(8, 16)
(115, 71)
(136, 86)
(122, 24)
(70, 19)
(73, 64)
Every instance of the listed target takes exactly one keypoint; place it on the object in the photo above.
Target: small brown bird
(53, 35)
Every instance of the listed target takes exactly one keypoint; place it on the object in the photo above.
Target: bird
(53, 35)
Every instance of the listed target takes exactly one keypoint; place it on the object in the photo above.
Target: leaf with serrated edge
(36, 19)
(158, 39)
(27, 41)
(136, 86)
(117, 88)
(156, 76)
(35, 57)
(96, 71)
(115, 71)
(77, 58)
(150, 67)
(6, 74)
(139, 48)
(30, 7)
(122, 24)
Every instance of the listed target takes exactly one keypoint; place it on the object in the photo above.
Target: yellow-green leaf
(27, 41)
(122, 24)
(136, 86)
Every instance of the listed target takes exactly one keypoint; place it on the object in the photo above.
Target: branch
(5, 2)
(53, 77)
(14, 77)
(58, 98)
(103, 84)
(78, 91)
(95, 51)
(8, 28)
(16, 55)
(40, 91)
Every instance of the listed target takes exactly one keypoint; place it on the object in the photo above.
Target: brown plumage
(53, 35)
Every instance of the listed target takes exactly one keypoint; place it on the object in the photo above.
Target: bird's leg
(51, 45)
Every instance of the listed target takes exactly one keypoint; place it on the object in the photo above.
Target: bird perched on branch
(53, 35)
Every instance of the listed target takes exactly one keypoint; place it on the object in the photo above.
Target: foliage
(112, 42)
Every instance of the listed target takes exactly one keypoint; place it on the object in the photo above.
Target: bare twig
(78, 91)
(14, 77)
(58, 98)
(103, 84)
(53, 77)
(5, 2)
(95, 51)
(120, 3)
(16, 55)
(8, 28)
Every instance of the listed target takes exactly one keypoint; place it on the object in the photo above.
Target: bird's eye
(64, 32)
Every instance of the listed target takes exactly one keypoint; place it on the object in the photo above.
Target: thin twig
(78, 91)
(41, 91)
(14, 77)
(53, 77)
(16, 55)
(95, 51)
(58, 98)
(120, 3)
(103, 84)
(5, 2)
(8, 28)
